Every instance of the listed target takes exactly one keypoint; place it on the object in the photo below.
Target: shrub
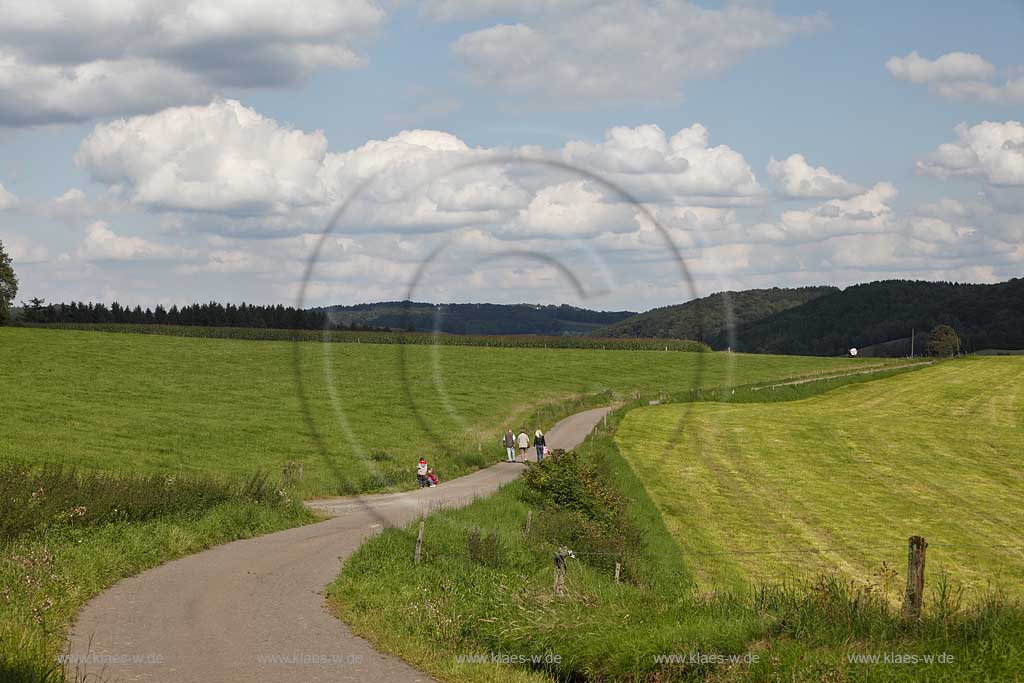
(582, 509)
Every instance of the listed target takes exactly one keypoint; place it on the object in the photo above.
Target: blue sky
(188, 150)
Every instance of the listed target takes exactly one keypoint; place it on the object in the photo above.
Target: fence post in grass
(618, 572)
(529, 520)
(915, 577)
(560, 557)
(419, 544)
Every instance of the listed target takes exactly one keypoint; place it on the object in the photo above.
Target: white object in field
(853, 352)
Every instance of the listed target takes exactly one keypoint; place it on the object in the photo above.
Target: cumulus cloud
(800, 179)
(577, 53)
(220, 157)
(63, 61)
(103, 244)
(572, 209)
(953, 66)
(249, 174)
(867, 212)
(958, 75)
(7, 199)
(644, 160)
(992, 151)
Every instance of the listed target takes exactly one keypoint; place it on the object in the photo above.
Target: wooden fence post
(916, 546)
(529, 520)
(419, 544)
(560, 558)
(618, 572)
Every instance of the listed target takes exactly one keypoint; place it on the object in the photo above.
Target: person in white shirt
(524, 444)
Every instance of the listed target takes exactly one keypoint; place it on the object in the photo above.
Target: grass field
(844, 478)
(150, 403)
(200, 408)
(461, 602)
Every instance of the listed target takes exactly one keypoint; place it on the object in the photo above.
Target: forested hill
(475, 318)
(705, 319)
(885, 312)
(876, 318)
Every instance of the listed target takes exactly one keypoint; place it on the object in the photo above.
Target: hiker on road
(510, 445)
(524, 444)
(538, 443)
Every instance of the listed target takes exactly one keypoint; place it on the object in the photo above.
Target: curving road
(253, 610)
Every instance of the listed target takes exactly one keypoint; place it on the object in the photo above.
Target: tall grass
(65, 535)
(49, 495)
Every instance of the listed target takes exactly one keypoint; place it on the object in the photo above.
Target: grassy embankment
(212, 412)
(462, 601)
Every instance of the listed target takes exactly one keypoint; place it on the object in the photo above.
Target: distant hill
(876, 318)
(475, 318)
(882, 314)
(705, 320)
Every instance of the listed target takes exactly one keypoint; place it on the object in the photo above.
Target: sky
(613, 154)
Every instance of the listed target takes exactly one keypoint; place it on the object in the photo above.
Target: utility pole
(911, 342)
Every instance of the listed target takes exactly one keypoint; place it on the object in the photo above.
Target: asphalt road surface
(253, 610)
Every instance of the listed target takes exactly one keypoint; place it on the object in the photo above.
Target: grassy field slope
(845, 477)
(213, 406)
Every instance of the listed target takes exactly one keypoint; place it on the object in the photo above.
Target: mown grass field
(843, 478)
(149, 403)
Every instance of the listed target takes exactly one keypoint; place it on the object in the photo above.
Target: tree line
(211, 314)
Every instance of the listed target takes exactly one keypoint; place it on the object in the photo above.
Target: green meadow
(819, 485)
(762, 492)
(148, 403)
(196, 432)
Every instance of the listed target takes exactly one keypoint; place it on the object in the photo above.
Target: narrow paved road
(227, 613)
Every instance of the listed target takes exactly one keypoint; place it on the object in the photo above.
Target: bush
(582, 509)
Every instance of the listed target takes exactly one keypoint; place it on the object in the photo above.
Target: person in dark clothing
(539, 443)
(509, 441)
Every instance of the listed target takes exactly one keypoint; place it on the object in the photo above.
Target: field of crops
(153, 403)
(521, 341)
(837, 482)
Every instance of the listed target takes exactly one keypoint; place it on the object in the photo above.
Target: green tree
(34, 311)
(943, 341)
(8, 285)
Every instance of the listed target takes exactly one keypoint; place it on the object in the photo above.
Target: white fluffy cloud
(103, 244)
(992, 151)
(7, 199)
(72, 61)
(228, 160)
(646, 161)
(867, 212)
(954, 66)
(220, 157)
(958, 75)
(575, 53)
(800, 179)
